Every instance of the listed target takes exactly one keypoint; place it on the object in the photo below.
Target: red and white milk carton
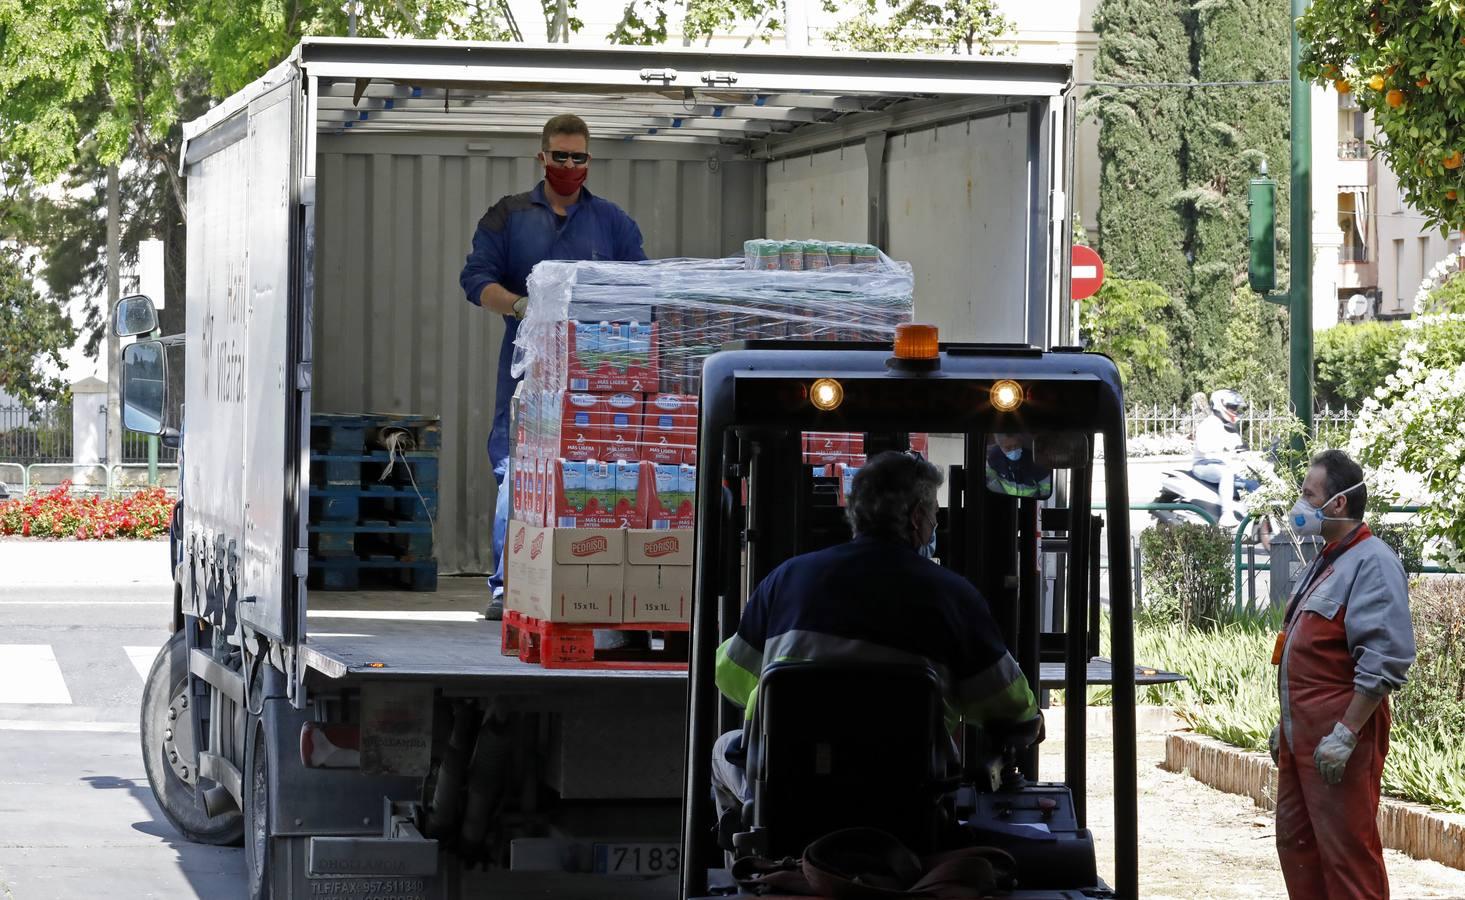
(669, 494)
(620, 426)
(630, 504)
(669, 429)
(612, 356)
(825, 448)
(575, 426)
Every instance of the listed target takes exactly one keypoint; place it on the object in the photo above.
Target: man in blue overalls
(558, 219)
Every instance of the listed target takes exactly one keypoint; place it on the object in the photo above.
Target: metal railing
(1354, 149)
(35, 434)
(1259, 426)
(111, 483)
(135, 449)
(1353, 253)
(1238, 566)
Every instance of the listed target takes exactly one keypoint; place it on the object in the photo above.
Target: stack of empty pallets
(366, 530)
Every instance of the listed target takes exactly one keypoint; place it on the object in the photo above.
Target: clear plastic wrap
(605, 421)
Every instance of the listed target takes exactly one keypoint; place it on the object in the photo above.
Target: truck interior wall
(393, 333)
(957, 211)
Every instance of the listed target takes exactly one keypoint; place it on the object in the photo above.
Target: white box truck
(378, 745)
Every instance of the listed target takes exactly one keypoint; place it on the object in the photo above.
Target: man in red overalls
(1347, 643)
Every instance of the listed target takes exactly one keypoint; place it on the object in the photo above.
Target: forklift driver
(878, 599)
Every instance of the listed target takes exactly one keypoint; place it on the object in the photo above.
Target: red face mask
(565, 181)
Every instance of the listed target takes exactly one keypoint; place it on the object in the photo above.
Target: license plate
(637, 859)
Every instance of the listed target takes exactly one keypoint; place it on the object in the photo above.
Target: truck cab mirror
(144, 386)
(135, 314)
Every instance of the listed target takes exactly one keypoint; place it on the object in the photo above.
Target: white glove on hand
(1331, 755)
(1274, 744)
(520, 307)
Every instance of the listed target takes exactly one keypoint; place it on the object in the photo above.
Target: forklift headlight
(1006, 395)
(826, 394)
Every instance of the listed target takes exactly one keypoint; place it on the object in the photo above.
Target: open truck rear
(331, 204)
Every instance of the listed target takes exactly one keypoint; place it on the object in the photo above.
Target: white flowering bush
(1425, 299)
(1415, 425)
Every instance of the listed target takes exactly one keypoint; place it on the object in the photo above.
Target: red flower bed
(145, 514)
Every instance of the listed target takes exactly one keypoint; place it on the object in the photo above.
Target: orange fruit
(1454, 160)
(1423, 82)
(1376, 82)
(1450, 195)
(1395, 98)
(1390, 70)
(1342, 86)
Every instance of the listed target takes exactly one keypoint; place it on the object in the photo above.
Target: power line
(1179, 84)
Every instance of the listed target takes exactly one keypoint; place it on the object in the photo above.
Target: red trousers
(1328, 835)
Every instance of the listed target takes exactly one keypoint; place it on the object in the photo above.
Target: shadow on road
(201, 864)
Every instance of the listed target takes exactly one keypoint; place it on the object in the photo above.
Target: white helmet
(1228, 404)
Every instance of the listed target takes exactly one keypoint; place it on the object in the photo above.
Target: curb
(1409, 827)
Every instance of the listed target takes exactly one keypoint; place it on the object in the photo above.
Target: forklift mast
(759, 504)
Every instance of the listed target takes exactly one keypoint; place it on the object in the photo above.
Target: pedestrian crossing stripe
(30, 674)
(142, 659)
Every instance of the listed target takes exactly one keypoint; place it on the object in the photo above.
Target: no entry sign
(1088, 272)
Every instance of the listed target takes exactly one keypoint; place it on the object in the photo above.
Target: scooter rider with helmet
(1218, 446)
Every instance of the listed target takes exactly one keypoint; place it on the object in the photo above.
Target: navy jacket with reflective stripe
(878, 601)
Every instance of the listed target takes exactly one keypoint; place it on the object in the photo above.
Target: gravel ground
(1197, 842)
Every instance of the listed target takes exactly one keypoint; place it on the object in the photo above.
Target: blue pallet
(396, 540)
(361, 470)
(359, 574)
(348, 432)
(351, 504)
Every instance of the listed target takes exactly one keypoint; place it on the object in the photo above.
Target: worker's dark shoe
(495, 609)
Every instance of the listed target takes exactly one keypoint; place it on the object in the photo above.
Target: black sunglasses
(564, 156)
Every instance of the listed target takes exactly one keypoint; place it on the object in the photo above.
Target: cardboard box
(620, 427)
(669, 495)
(669, 430)
(612, 356)
(565, 574)
(658, 576)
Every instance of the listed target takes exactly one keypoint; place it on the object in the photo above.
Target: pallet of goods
(604, 425)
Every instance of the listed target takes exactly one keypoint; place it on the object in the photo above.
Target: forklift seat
(839, 745)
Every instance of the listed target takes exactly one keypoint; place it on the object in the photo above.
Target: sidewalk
(28, 562)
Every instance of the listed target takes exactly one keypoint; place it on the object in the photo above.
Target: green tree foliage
(1141, 139)
(1354, 360)
(33, 334)
(1448, 297)
(1229, 133)
(1130, 321)
(1405, 60)
(921, 26)
(1174, 170)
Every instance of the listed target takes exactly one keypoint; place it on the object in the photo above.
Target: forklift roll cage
(755, 407)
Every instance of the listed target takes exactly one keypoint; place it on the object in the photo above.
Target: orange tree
(1405, 61)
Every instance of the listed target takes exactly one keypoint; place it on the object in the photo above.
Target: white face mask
(1308, 519)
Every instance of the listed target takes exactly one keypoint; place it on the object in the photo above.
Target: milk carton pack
(669, 429)
(630, 505)
(620, 426)
(671, 491)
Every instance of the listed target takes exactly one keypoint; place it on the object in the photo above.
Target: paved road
(79, 624)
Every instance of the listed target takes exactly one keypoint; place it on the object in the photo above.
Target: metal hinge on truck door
(665, 76)
(713, 79)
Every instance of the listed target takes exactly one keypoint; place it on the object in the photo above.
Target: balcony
(1353, 149)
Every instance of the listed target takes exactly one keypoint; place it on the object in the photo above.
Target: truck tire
(257, 836)
(165, 691)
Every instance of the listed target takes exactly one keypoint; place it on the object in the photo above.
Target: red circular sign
(1088, 272)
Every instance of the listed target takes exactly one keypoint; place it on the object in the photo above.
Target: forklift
(1027, 541)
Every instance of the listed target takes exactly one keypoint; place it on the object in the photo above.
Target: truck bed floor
(441, 636)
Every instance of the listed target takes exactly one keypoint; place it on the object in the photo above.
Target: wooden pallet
(565, 645)
(351, 574)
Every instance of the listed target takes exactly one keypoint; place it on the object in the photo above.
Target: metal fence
(1259, 427)
(35, 435)
(44, 434)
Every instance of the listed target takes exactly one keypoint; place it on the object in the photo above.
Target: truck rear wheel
(169, 753)
(257, 810)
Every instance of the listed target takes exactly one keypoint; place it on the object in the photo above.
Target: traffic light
(1262, 235)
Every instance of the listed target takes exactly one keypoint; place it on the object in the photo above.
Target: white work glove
(1274, 744)
(1331, 755)
(520, 307)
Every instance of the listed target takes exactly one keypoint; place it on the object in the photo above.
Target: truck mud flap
(361, 868)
